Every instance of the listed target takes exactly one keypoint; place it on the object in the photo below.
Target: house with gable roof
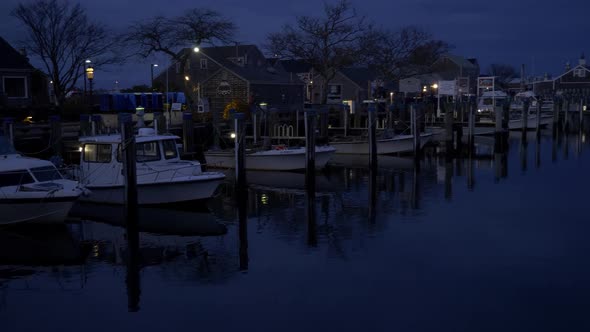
(573, 82)
(216, 76)
(15, 77)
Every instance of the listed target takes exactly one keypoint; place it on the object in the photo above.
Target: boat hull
(158, 193)
(35, 211)
(516, 124)
(278, 160)
(399, 144)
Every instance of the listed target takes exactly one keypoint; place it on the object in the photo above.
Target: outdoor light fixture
(435, 86)
(152, 72)
(196, 49)
(232, 135)
(186, 78)
(90, 73)
(88, 61)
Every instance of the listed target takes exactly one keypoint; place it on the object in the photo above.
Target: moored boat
(33, 190)
(162, 177)
(279, 158)
(396, 144)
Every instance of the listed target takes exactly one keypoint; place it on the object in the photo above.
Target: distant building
(573, 82)
(216, 76)
(15, 77)
(464, 70)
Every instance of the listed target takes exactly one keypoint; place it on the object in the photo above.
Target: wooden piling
(159, 123)
(131, 206)
(449, 144)
(310, 129)
(525, 115)
(372, 136)
(56, 134)
(239, 149)
(187, 133)
(581, 114)
(471, 125)
(96, 124)
(85, 125)
(565, 116)
(538, 124)
(8, 125)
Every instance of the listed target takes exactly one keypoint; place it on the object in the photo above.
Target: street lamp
(86, 64)
(196, 49)
(390, 98)
(435, 87)
(90, 77)
(186, 78)
(152, 71)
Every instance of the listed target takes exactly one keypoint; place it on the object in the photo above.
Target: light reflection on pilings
(448, 178)
(372, 194)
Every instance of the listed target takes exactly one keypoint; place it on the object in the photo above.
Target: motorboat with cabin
(488, 103)
(277, 158)
(518, 103)
(162, 177)
(33, 190)
(385, 145)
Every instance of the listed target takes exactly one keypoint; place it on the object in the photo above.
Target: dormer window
(203, 63)
(579, 72)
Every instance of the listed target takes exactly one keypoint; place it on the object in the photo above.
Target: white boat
(162, 177)
(489, 102)
(33, 190)
(396, 144)
(518, 103)
(517, 123)
(279, 158)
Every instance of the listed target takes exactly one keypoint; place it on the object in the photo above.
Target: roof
(14, 162)
(571, 70)
(460, 61)
(296, 66)
(11, 58)
(360, 75)
(256, 73)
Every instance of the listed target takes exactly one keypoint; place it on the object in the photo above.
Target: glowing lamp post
(152, 71)
(90, 77)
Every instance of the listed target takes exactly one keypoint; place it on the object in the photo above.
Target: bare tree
(329, 43)
(503, 73)
(404, 53)
(63, 37)
(172, 36)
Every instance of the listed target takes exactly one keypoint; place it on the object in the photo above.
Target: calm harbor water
(495, 243)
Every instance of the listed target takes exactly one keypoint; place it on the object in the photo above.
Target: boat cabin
(101, 160)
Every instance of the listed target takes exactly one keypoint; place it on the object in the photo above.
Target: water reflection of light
(583, 138)
(264, 199)
(95, 250)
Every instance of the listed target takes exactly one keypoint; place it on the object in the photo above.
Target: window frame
(14, 76)
(176, 154)
(45, 169)
(17, 171)
(97, 161)
(158, 151)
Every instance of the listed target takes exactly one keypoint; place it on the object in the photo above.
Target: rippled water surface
(491, 243)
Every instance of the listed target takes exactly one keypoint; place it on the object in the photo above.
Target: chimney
(23, 52)
(582, 61)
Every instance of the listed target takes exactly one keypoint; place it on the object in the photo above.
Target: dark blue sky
(541, 34)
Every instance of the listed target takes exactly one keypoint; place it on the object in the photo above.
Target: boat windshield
(148, 151)
(5, 146)
(15, 178)
(170, 151)
(46, 173)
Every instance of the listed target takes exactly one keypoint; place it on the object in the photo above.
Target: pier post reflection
(448, 178)
(538, 151)
(523, 153)
(242, 196)
(554, 142)
(470, 173)
(312, 237)
(372, 194)
(415, 198)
